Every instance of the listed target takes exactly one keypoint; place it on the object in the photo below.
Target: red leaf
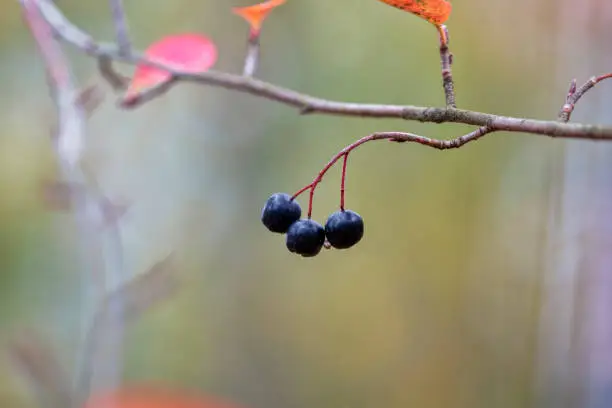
(256, 14)
(434, 11)
(190, 53)
(153, 397)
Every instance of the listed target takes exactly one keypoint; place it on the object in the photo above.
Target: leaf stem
(446, 60)
(251, 61)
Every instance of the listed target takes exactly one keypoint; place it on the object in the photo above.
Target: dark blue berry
(344, 229)
(280, 212)
(305, 237)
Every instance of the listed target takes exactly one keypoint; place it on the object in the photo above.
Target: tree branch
(71, 121)
(117, 81)
(574, 95)
(35, 357)
(313, 105)
(89, 207)
(398, 137)
(121, 27)
(135, 296)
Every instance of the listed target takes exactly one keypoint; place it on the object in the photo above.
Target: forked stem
(344, 153)
(574, 94)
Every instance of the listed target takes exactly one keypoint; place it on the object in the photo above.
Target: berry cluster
(343, 229)
(306, 237)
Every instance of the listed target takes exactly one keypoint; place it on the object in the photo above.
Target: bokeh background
(485, 275)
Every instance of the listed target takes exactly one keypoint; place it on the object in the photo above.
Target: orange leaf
(153, 397)
(190, 53)
(434, 11)
(256, 14)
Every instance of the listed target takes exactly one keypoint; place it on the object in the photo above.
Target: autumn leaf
(256, 14)
(189, 53)
(434, 11)
(153, 397)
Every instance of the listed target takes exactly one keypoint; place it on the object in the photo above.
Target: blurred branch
(31, 353)
(69, 142)
(121, 27)
(124, 45)
(62, 28)
(71, 121)
(38, 361)
(144, 97)
(310, 104)
(136, 297)
(117, 81)
(251, 61)
(574, 95)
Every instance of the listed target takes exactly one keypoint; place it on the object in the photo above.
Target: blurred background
(484, 278)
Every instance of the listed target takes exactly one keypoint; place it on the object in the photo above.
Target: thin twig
(69, 143)
(36, 358)
(117, 81)
(251, 61)
(135, 100)
(124, 44)
(71, 123)
(122, 34)
(39, 361)
(106, 361)
(574, 95)
(446, 60)
(398, 137)
(136, 296)
(310, 104)
(62, 27)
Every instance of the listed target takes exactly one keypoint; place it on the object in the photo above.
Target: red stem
(398, 137)
(342, 153)
(342, 181)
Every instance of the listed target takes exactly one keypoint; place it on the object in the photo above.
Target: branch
(62, 27)
(117, 81)
(71, 121)
(121, 27)
(312, 105)
(574, 95)
(69, 143)
(124, 44)
(398, 137)
(37, 359)
(136, 296)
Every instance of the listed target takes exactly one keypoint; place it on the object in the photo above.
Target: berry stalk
(341, 154)
(342, 181)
